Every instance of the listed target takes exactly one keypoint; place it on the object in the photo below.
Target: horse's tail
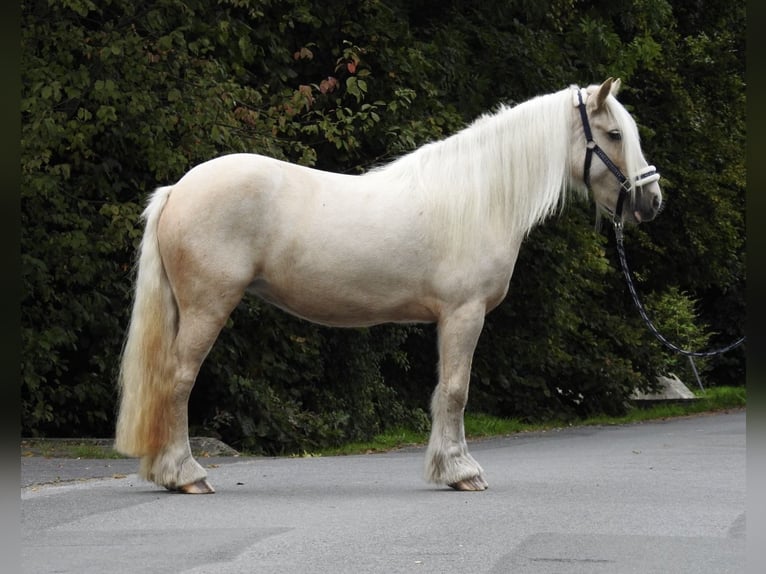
(146, 368)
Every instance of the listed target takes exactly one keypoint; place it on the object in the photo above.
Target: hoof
(202, 486)
(472, 484)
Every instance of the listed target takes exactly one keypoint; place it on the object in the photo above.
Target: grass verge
(69, 448)
(477, 425)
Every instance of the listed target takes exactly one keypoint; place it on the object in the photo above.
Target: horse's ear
(609, 86)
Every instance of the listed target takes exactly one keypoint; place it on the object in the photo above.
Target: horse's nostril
(657, 202)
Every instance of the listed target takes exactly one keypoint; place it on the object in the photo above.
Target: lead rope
(642, 311)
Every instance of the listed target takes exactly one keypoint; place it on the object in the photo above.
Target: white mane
(504, 173)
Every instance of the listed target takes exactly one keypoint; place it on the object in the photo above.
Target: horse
(431, 237)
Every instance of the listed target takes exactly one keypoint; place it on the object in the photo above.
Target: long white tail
(146, 369)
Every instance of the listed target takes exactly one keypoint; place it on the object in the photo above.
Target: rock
(209, 446)
(671, 389)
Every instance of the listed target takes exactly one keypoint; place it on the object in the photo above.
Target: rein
(645, 176)
(642, 311)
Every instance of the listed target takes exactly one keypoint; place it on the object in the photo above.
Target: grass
(69, 448)
(477, 425)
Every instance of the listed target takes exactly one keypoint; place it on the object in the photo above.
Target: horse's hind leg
(174, 466)
(447, 458)
(206, 296)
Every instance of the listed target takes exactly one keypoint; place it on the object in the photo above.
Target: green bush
(674, 314)
(120, 97)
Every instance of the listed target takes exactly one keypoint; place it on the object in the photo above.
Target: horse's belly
(347, 305)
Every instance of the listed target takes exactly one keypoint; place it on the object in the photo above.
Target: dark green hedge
(122, 96)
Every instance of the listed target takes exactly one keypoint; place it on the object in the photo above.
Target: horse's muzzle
(647, 204)
(648, 197)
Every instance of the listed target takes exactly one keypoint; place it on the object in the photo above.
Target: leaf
(356, 87)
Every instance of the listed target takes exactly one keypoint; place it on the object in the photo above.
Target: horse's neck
(491, 182)
(509, 168)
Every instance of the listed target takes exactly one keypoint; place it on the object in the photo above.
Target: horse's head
(618, 177)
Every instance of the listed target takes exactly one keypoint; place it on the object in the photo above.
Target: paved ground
(647, 498)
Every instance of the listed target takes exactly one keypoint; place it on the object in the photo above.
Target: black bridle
(646, 175)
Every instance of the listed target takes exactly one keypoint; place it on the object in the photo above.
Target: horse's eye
(615, 135)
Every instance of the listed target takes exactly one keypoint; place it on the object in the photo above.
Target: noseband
(645, 175)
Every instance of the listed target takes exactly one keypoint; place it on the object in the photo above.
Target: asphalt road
(664, 497)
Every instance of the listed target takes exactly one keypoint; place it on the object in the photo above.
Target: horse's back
(243, 195)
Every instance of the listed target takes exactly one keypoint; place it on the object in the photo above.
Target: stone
(671, 389)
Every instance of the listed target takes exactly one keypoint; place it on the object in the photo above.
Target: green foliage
(120, 97)
(698, 243)
(675, 316)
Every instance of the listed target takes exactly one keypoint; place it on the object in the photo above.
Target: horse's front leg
(447, 458)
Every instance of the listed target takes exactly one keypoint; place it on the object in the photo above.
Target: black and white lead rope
(642, 311)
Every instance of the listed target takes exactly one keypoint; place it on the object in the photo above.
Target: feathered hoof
(472, 484)
(202, 486)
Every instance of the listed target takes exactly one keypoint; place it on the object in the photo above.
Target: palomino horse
(431, 237)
